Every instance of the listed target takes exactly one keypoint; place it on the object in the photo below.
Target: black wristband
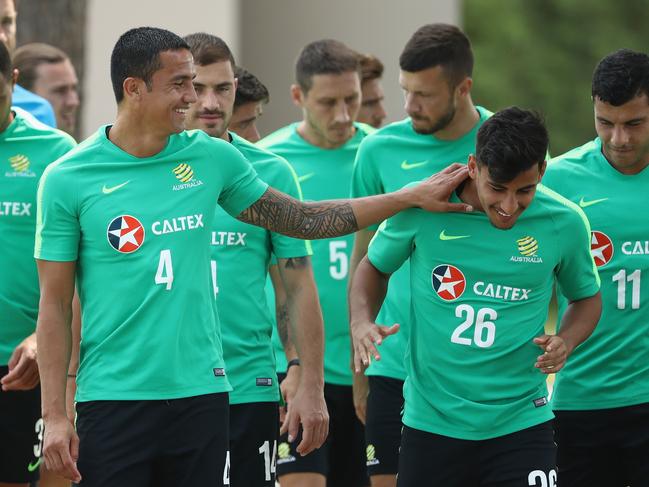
(291, 363)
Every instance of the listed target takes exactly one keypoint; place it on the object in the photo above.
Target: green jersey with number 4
(325, 174)
(611, 368)
(480, 296)
(386, 161)
(240, 257)
(140, 230)
(26, 147)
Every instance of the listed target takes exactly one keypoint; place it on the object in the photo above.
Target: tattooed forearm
(283, 323)
(296, 262)
(313, 220)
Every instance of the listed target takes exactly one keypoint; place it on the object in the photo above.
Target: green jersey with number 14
(325, 174)
(140, 229)
(240, 257)
(611, 368)
(480, 296)
(26, 147)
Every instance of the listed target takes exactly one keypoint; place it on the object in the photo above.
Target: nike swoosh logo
(33, 466)
(107, 190)
(301, 179)
(443, 236)
(405, 166)
(585, 204)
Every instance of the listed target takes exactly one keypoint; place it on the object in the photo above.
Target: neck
(466, 117)
(468, 193)
(130, 134)
(7, 122)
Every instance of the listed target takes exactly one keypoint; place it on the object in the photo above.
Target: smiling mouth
(503, 214)
(181, 111)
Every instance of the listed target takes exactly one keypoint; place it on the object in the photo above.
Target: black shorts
(254, 428)
(383, 425)
(527, 457)
(175, 442)
(21, 434)
(604, 447)
(342, 457)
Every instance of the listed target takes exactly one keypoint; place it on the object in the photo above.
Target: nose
(72, 98)
(381, 113)
(342, 114)
(3, 36)
(410, 105)
(619, 137)
(190, 95)
(253, 134)
(510, 204)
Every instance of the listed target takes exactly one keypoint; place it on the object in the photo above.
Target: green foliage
(541, 54)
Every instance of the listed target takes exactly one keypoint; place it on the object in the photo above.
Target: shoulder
(575, 159)
(30, 126)
(265, 162)
(278, 137)
(564, 212)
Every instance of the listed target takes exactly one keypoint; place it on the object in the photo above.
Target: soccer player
(240, 258)
(249, 103)
(476, 408)
(372, 110)
(47, 71)
(129, 212)
(601, 398)
(22, 98)
(436, 67)
(321, 148)
(26, 147)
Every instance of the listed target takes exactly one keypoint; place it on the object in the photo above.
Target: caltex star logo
(601, 248)
(125, 234)
(448, 282)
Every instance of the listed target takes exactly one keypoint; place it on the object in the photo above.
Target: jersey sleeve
(366, 180)
(286, 181)
(393, 242)
(576, 273)
(242, 187)
(57, 216)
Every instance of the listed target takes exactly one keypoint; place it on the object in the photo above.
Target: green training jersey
(140, 230)
(325, 174)
(480, 296)
(240, 257)
(27, 146)
(610, 369)
(386, 161)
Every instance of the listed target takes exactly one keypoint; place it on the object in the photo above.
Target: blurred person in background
(372, 111)
(249, 103)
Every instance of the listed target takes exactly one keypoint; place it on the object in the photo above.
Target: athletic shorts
(254, 428)
(604, 447)
(175, 443)
(383, 425)
(342, 457)
(527, 457)
(21, 434)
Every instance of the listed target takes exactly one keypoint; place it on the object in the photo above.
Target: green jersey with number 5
(240, 257)
(140, 229)
(480, 296)
(325, 174)
(611, 368)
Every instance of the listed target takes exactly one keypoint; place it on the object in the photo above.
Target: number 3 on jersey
(165, 273)
(484, 331)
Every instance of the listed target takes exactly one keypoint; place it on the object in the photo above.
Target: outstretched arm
(280, 213)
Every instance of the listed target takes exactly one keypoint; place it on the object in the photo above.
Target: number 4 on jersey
(165, 273)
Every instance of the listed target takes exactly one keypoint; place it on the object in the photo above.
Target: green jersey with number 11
(140, 230)
(240, 257)
(480, 296)
(611, 368)
(325, 174)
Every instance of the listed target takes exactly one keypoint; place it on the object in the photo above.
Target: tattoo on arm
(283, 322)
(296, 263)
(282, 214)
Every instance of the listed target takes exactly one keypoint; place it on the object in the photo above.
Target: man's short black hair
(208, 49)
(442, 45)
(621, 76)
(137, 54)
(510, 142)
(326, 56)
(249, 88)
(6, 67)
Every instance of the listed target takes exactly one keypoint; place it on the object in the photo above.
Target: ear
(543, 168)
(133, 87)
(297, 95)
(473, 167)
(14, 78)
(464, 88)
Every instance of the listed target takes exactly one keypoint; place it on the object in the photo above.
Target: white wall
(107, 20)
